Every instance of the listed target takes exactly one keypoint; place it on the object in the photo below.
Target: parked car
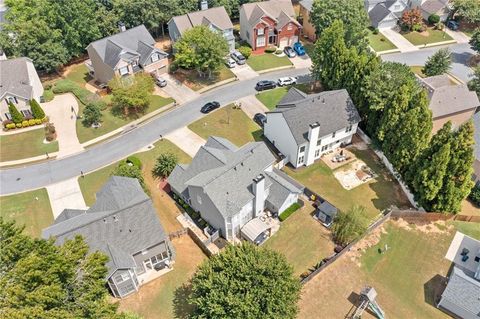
(210, 106)
(298, 47)
(160, 82)
(238, 57)
(287, 80)
(289, 52)
(260, 119)
(265, 85)
(453, 25)
(230, 63)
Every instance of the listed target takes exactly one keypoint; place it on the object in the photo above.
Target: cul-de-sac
(239, 159)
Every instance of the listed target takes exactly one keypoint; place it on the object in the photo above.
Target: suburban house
(125, 53)
(448, 101)
(269, 23)
(232, 186)
(304, 126)
(461, 296)
(308, 29)
(215, 18)
(385, 13)
(476, 163)
(124, 225)
(429, 7)
(19, 83)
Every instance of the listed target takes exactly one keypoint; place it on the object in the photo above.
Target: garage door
(283, 42)
(387, 24)
(293, 40)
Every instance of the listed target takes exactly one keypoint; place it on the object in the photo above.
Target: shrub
(25, 123)
(375, 31)
(37, 110)
(50, 132)
(17, 117)
(7, 122)
(475, 195)
(417, 27)
(134, 161)
(32, 122)
(45, 119)
(18, 125)
(278, 51)
(433, 19)
(270, 49)
(350, 225)
(10, 126)
(91, 114)
(130, 171)
(164, 165)
(245, 51)
(38, 121)
(289, 211)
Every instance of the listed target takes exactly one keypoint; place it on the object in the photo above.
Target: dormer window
(260, 31)
(155, 57)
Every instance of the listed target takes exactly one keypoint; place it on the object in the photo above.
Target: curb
(213, 86)
(276, 69)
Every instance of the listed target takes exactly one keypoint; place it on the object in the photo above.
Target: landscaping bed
(24, 145)
(427, 37)
(267, 61)
(191, 78)
(379, 42)
(232, 124)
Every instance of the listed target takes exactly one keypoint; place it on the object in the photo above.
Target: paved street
(21, 179)
(460, 53)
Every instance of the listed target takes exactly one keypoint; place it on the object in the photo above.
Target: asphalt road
(33, 176)
(460, 55)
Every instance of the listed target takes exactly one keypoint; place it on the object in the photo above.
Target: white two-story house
(304, 126)
(215, 18)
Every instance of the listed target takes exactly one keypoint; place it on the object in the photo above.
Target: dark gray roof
(117, 225)
(476, 123)
(131, 43)
(281, 187)
(307, 4)
(67, 214)
(333, 110)
(462, 295)
(328, 209)
(433, 6)
(14, 78)
(216, 16)
(293, 95)
(378, 13)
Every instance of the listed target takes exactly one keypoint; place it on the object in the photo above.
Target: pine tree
(17, 117)
(439, 63)
(37, 110)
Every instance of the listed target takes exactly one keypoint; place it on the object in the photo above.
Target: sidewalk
(398, 40)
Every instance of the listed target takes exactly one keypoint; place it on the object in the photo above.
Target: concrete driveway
(300, 62)
(251, 106)
(187, 140)
(458, 36)
(244, 72)
(398, 40)
(66, 194)
(181, 93)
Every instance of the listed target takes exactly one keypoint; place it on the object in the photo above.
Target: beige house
(304, 16)
(19, 83)
(125, 53)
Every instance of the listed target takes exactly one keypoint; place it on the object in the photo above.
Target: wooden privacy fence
(413, 216)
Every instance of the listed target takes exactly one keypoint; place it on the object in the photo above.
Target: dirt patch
(355, 174)
(438, 227)
(369, 241)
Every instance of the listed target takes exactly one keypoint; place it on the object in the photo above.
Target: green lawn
(79, 74)
(267, 61)
(191, 78)
(470, 229)
(302, 239)
(379, 42)
(271, 98)
(25, 145)
(427, 37)
(31, 209)
(111, 122)
(240, 129)
(375, 195)
(417, 69)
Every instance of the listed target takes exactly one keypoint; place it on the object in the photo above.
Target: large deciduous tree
(351, 12)
(131, 95)
(412, 19)
(129, 170)
(245, 281)
(467, 9)
(439, 63)
(201, 49)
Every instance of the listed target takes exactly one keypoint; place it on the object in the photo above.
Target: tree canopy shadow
(182, 309)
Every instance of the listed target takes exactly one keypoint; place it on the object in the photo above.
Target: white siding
(37, 87)
(277, 131)
(292, 198)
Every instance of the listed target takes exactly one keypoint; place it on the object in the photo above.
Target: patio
(337, 158)
(356, 174)
(259, 229)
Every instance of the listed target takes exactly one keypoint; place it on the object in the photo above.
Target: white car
(230, 63)
(288, 80)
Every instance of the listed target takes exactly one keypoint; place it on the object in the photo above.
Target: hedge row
(289, 211)
(25, 123)
(82, 94)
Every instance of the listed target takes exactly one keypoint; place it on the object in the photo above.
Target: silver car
(238, 57)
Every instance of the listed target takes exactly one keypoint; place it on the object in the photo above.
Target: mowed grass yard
(271, 98)
(262, 62)
(192, 79)
(407, 277)
(379, 42)
(25, 144)
(375, 195)
(232, 124)
(303, 240)
(31, 209)
(428, 37)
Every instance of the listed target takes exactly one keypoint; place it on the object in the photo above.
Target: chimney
(258, 188)
(313, 130)
(122, 27)
(203, 5)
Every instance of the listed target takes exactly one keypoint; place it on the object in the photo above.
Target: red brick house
(269, 23)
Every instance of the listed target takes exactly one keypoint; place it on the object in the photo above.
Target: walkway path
(187, 140)
(66, 194)
(400, 42)
(251, 106)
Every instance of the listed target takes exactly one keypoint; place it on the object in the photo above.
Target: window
(260, 31)
(300, 159)
(155, 57)
(123, 70)
(317, 153)
(319, 142)
(26, 113)
(261, 41)
(348, 129)
(324, 148)
(158, 258)
(248, 35)
(290, 26)
(139, 269)
(12, 99)
(333, 134)
(121, 277)
(126, 289)
(302, 149)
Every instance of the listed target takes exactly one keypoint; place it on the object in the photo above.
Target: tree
(131, 95)
(351, 12)
(439, 63)
(412, 19)
(202, 49)
(467, 9)
(474, 83)
(350, 225)
(91, 115)
(132, 171)
(41, 280)
(17, 117)
(245, 281)
(37, 110)
(164, 166)
(475, 40)
(231, 6)
(433, 19)
(475, 195)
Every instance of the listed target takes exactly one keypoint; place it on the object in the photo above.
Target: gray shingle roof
(217, 16)
(275, 9)
(333, 110)
(328, 209)
(433, 6)
(307, 4)
(378, 13)
(126, 45)
(14, 78)
(462, 295)
(281, 187)
(476, 123)
(121, 223)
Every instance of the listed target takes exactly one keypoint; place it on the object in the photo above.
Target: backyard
(24, 145)
(427, 37)
(191, 78)
(31, 209)
(232, 124)
(375, 195)
(303, 240)
(266, 61)
(379, 42)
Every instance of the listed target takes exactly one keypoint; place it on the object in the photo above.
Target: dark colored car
(289, 52)
(265, 85)
(210, 106)
(260, 119)
(298, 47)
(453, 25)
